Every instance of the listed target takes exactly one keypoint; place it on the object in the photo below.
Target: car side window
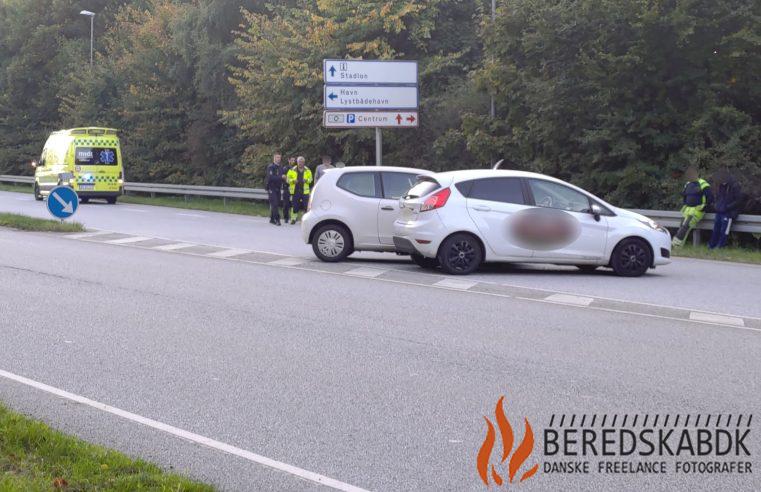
(504, 190)
(360, 183)
(396, 185)
(42, 158)
(554, 195)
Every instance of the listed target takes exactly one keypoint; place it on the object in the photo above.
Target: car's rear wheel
(111, 200)
(631, 258)
(84, 200)
(332, 243)
(460, 254)
(423, 262)
(37, 194)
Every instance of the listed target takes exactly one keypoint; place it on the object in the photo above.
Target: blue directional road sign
(63, 202)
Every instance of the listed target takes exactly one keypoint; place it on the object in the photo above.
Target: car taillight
(437, 200)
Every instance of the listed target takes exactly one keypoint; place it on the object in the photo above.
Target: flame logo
(522, 452)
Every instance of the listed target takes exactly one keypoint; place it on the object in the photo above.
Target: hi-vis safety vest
(293, 175)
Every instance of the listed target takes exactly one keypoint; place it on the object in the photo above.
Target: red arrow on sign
(398, 119)
(411, 119)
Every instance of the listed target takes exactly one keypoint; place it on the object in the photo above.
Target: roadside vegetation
(230, 206)
(34, 457)
(734, 254)
(26, 223)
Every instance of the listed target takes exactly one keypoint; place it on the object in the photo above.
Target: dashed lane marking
(451, 283)
(183, 434)
(570, 299)
(128, 240)
(87, 235)
(174, 247)
(366, 272)
(228, 253)
(288, 262)
(716, 318)
(194, 216)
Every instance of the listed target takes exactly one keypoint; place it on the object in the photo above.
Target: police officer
(299, 179)
(273, 184)
(285, 197)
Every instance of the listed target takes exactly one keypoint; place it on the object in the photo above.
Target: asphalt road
(373, 380)
(694, 284)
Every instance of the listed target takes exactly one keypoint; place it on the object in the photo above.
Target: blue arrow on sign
(332, 96)
(62, 202)
(332, 71)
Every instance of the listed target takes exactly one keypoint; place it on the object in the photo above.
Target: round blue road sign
(62, 202)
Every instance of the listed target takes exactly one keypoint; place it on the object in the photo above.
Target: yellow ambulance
(89, 160)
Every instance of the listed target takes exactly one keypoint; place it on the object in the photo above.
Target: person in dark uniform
(273, 185)
(286, 191)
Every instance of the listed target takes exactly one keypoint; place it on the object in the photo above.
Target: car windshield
(422, 188)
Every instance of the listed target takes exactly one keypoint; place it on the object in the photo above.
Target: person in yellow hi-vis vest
(299, 179)
(696, 197)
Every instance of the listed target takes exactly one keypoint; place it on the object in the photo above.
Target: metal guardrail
(667, 218)
(170, 189)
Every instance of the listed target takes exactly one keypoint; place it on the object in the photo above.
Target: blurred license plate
(86, 187)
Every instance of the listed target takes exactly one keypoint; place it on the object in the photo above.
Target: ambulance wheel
(84, 200)
(111, 200)
(37, 194)
(631, 258)
(423, 262)
(332, 243)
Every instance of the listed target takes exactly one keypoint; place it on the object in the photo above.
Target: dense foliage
(615, 95)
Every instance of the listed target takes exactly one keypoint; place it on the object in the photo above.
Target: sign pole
(378, 147)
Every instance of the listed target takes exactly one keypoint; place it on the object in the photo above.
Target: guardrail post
(696, 237)
(224, 201)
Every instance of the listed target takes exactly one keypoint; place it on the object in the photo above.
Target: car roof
(351, 169)
(492, 173)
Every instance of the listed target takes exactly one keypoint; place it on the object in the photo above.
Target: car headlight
(653, 225)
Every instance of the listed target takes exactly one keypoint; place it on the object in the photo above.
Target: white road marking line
(190, 436)
(716, 318)
(451, 283)
(228, 253)
(569, 299)
(366, 272)
(137, 210)
(24, 199)
(173, 247)
(128, 240)
(287, 262)
(195, 216)
(86, 235)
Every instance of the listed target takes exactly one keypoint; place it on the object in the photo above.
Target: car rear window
(95, 156)
(423, 188)
(396, 185)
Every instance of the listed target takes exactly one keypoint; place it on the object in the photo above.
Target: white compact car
(354, 209)
(459, 219)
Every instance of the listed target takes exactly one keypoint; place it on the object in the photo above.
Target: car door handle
(482, 208)
(387, 207)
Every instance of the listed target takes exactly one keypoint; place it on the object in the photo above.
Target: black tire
(631, 258)
(587, 268)
(111, 200)
(332, 243)
(84, 200)
(460, 254)
(37, 195)
(423, 262)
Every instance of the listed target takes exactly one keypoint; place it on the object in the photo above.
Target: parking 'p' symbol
(351, 118)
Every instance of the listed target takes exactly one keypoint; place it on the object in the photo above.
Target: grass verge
(34, 457)
(239, 207)
(738, 255)
(21, 188)
(26, 223)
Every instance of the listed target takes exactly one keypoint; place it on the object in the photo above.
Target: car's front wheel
(460, 254)
(631, 258)
(423, 262)
(332, 243)
(37, 194)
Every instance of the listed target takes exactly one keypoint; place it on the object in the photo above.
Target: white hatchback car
(354, 209)
(459, 219)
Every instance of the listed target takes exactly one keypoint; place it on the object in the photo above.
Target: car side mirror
(596, 211)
